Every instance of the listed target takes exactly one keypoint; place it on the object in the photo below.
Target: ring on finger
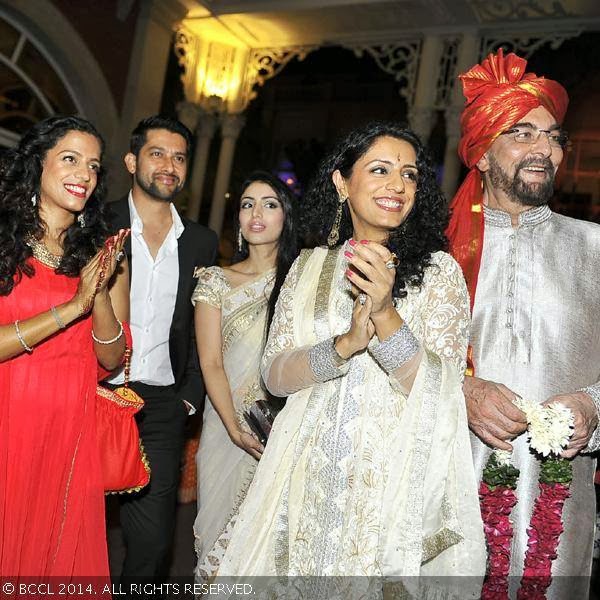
(362, 298)
(120, 256)
(392, 262)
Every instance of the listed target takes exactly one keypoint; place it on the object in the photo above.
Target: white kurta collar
(533, 216)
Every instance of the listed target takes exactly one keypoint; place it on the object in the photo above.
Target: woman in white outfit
(368, 470)
(233, 307)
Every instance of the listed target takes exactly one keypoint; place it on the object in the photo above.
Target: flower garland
(550, 428)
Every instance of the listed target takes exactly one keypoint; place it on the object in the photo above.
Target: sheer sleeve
(285, 367)
(445, 314)
(211, 286)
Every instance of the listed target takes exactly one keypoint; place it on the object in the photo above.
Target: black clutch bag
(260, 416)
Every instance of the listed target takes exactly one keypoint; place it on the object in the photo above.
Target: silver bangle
(20, 337)
(324, 361)
(397, 349)
(59, 321)
(113, 340)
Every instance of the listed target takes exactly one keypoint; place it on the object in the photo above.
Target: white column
(422, 113)
(452, 162)
(147, 67)
(231, 125)
(207, 124)
(188, 113)
(468, 56)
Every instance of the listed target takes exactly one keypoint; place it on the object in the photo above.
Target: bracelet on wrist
(111, 341)
(397, 349)
(59, 321)
(337, 358)
(324, 361)
(20, 338)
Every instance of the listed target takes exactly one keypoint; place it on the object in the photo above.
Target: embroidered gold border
(281, 548)
(122, 396)
(242, 321)
(324, 288)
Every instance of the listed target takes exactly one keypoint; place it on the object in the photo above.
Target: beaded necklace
(41, 253)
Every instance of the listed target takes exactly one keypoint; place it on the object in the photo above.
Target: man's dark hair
(140, 133)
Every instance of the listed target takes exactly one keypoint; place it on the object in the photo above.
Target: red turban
(499, 94)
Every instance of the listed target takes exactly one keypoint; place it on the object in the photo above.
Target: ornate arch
(399, 59)
(66, 52)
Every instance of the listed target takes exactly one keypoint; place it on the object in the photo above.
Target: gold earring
(334, 234)
(240, 240)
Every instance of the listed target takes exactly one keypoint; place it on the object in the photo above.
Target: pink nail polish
(365, 242)
(352, 242)
(348, 254)
(349, 273)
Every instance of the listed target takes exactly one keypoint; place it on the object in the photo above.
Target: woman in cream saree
(368, 471)
(225, 470)
(233, 306)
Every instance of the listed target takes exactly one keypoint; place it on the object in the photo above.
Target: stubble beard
(150, 188)
(526, 194)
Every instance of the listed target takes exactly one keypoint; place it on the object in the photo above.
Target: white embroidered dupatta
(357, 479)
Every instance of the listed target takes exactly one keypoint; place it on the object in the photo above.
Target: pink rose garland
(496, 506)
(497, 498)
(549, 427)
(545, 528)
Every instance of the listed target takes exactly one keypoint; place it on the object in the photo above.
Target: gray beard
(526, 194)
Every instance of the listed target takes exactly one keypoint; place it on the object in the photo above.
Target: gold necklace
(41, 253)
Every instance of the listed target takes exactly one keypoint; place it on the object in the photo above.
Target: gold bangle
(113, 340)
(20, 337)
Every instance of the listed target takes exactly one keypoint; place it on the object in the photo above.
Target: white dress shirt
(152, 302)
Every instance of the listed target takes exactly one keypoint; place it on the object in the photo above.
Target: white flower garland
(549, 427)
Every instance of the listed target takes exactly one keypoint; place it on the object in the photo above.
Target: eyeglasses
(557, 138)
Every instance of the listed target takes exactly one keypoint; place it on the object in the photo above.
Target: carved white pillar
(468, 55)
(188, 113)
(207, 124)
(422, 112)
(231, 125)
(451, 160)
(421, 121)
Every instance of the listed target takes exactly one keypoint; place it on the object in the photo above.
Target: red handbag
(125, 467)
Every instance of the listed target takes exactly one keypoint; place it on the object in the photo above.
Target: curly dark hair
(421, 234)
(20, 176)
(287, 249)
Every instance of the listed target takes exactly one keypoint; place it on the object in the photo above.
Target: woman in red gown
(63, 296)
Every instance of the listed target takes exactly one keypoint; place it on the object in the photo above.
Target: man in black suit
(164, 252)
